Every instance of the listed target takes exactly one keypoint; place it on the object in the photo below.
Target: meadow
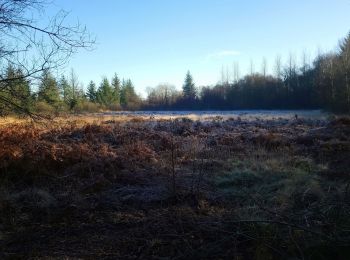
(175, 187)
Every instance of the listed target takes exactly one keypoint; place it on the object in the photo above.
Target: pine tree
(189, 89)
(16, 91)
(23, 91)
(48, 89)
(116, 89)
(123, 94)
(127, 94)
(105, 93)
(91, 92)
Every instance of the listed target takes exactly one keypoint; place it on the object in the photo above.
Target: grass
(131, 187)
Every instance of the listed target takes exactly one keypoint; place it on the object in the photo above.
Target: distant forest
(322, 84)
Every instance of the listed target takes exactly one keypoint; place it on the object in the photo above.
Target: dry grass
(131, 187)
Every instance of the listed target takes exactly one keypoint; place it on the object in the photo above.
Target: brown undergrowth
(180, 188)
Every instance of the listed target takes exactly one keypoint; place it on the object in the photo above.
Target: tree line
(66, 94)
(323, 84)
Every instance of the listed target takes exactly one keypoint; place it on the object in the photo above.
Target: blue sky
(157, 41)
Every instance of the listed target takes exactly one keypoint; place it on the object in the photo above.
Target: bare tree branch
(27, 45)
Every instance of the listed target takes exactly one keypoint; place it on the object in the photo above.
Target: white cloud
(224, 53)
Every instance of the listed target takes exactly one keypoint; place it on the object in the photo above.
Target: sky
(158, 41)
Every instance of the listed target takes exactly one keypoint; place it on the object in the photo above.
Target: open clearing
(159, 186)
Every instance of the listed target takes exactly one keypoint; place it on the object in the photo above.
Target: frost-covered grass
(124, 186)
(234, 114)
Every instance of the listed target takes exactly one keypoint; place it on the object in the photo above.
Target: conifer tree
(188, 88)
(23, 91)
(105, 93)
(116, 89)
(128, 95)
(16, 91)
(48, 89)
(91, 93)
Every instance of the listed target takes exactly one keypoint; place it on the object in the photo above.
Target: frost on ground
(157, 187)
(234, 114)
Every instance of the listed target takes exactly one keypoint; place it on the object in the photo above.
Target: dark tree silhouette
(188, 88)
(91, 93)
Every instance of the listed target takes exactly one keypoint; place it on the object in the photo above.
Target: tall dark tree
(188, 88)
(128, 97)
(91, 93)
(15, 91)
(105, 93)
(116, 88)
